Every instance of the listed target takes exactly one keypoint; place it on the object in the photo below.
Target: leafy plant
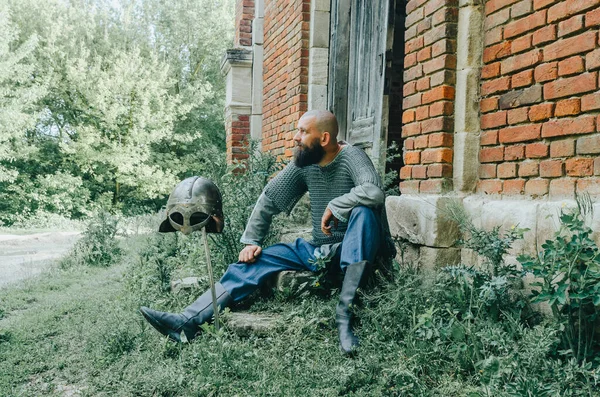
(98, 246)
(567, 271)
(391, 181)
(491, 245)
(321, 263)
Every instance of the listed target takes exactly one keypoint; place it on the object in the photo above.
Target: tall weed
(98, 246)
(567, 271)
(240, 184)
(163, 257)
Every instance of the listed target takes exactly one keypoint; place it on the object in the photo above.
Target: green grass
(79, 330)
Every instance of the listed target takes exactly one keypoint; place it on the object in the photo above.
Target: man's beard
(305, 155)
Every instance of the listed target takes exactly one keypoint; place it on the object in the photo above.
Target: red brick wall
(540, 101)
(286, 27)
(244, 14)
(237, 129)
(429, 80)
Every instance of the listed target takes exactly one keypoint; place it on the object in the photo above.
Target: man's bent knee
(363, 212)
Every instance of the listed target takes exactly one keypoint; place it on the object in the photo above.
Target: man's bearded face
(308, 154)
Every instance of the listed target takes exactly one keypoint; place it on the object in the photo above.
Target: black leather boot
(184, 327)
(343, 312)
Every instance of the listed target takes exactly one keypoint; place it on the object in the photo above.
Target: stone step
(245, 324)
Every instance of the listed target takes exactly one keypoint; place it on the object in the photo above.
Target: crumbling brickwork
(244, 14)
(237, 137)
(286, 54)
(540, 99)
(429, 88)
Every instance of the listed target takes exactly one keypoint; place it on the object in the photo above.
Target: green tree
(133, 96)
(20, 91)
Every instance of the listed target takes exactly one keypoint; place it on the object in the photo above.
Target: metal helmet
(194, 203)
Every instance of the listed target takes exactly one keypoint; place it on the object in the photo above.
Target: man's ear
(325, 138)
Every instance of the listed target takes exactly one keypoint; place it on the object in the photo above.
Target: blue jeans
(361, 242)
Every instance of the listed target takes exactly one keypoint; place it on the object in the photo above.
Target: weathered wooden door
(357, 65)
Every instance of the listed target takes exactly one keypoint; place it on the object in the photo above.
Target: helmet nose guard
(195, 203)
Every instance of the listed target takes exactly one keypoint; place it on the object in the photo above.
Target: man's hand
(326, 219)
(250, 253)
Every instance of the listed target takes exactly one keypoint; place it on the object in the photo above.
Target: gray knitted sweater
(346, 182)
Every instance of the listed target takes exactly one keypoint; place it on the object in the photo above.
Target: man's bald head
(324, 121)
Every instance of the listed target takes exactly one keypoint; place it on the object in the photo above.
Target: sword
(211, 279)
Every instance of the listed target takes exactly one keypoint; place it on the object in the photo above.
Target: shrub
(165, 256)
(98, 246)
(241, 184)
(568, 274)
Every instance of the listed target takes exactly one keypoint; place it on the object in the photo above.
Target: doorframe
(339, 58)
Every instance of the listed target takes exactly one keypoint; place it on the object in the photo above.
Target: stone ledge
(421, 220)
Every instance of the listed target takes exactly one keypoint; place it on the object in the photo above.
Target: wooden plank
(337, 95)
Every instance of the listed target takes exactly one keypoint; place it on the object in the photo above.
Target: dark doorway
(394, 84)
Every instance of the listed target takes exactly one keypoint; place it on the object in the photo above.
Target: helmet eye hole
(198, 217)
(177, 217)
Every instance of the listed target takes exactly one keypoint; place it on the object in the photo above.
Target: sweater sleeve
(280, 195)
(367, 194)
(259, 221)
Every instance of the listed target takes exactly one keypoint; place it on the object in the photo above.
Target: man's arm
(281, 194)
(338, 209)
(367, 189)
(258, 224)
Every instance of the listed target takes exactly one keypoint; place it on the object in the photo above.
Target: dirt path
(23, 256)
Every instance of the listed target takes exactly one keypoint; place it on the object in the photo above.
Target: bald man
(349, 229)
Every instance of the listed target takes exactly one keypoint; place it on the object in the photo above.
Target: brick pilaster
(429, 91)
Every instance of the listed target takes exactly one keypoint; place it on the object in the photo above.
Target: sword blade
(211, 279)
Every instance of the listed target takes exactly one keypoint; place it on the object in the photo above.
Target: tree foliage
(116, 99)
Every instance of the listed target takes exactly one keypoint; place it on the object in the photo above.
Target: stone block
(466, 111)
(595, 223)
(468, 257)
(319, 29)
(237, 67)
(407, 254)
(548, 220)
(516, 98)
(320, 5)
(256, 127)
(245, 324)
(184, 284)
(512, 213)
(290, 235)
(466, 161)
(319, 66)
(259, 8)
(469, 37)
(258, 31)
(431, 259)
(421, 220)
(257, 80)
(317, 97)
(473, 206)
(294, 282)
(468, 3)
